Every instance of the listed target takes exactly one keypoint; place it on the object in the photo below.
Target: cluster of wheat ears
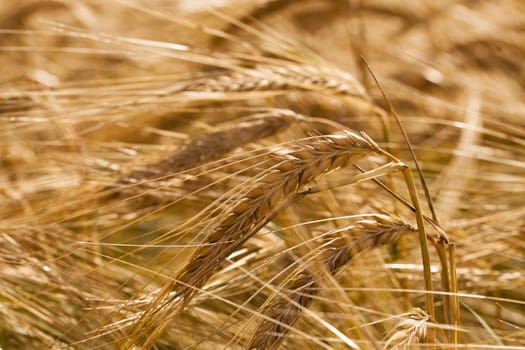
(317, 174)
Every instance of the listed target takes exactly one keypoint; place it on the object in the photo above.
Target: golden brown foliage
(228, 174)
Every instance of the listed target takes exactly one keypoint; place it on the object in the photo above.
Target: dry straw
(84, 97)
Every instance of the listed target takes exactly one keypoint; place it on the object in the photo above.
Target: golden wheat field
(270, 174)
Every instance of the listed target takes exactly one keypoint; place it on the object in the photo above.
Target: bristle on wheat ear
(242, 220)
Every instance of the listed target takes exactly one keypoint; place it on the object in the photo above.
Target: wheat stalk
(311, 158)
(282, 312)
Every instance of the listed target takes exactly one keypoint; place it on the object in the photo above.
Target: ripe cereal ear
(307, 160)
(283, 310)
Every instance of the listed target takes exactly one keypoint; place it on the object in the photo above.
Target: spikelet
(411, 329)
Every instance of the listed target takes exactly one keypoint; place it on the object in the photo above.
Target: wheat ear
(207, 148)
(282, 313)
(214, 145)
(411, 329)
(299, 166)
(284, 77)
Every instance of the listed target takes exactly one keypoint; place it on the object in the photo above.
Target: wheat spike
(312, 158)
(411, 329)
(298, 77)
(214, 145)
(285, 311)
(209, 147)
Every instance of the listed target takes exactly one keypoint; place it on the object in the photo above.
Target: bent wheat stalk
(286, 309)
(281, 182)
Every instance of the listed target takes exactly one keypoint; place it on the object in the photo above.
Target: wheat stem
(409, 179)
(455, 298)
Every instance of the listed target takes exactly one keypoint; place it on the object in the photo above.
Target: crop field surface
(270, 174)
